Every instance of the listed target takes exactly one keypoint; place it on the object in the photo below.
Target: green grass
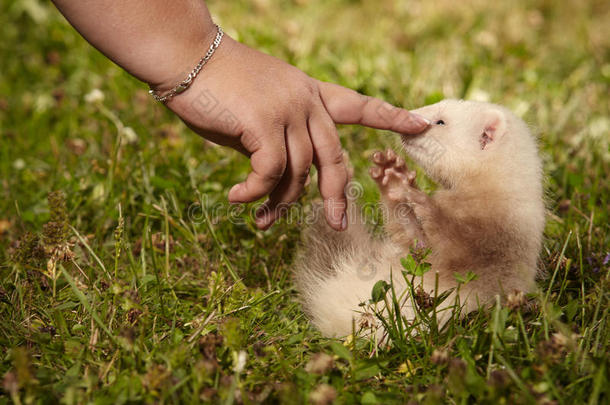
(147, 308)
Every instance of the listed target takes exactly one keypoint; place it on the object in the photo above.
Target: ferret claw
(376, 172)
(378, 158)
(391, 174)
(390, 156)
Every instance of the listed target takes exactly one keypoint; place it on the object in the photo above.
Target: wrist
(212, 74)
(164, 96)
(185, 56)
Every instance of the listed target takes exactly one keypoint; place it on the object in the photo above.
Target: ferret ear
(494, 126)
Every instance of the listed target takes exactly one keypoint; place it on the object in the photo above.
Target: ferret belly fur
(487, 217)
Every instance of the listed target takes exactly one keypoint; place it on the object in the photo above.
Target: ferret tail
(336, 271)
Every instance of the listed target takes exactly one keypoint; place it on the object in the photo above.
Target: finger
(346, 106)
(300, 156)
(268, 162)
(332, 173)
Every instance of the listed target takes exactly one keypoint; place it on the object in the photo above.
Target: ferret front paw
(392, 175)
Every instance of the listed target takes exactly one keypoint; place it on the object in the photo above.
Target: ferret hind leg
(398, 190)
(335, 271)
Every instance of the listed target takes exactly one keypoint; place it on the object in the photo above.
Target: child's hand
(284, 121)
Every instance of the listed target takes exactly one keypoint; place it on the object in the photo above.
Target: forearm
(157, 41)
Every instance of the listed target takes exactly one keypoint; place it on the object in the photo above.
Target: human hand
(284, 121)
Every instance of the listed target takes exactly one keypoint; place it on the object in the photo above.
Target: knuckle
(303, 82)
(310, 87)
(298, 87)
(300, 168)
(250, 141)
(335, 157)
(277, 167)
(273, 176)
(303, 97)
(301, 176)
(274, 179)
(367, 102)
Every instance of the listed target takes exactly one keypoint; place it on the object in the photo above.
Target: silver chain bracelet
(185, 84)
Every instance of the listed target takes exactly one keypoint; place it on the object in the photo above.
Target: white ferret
(487, 217)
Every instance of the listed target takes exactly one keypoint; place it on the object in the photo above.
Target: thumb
(346, 106)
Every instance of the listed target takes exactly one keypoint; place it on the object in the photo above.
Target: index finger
(347, 106)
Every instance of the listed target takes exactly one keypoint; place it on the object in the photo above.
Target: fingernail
(421, 120)
(265, 224)
(264, 218)
(262, 211)
(344, 222)
(233, 190)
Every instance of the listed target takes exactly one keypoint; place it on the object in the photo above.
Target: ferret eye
(440, 122)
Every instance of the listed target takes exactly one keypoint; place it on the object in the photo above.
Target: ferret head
(473, 141)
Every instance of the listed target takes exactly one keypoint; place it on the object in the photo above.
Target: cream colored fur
(487, 217)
